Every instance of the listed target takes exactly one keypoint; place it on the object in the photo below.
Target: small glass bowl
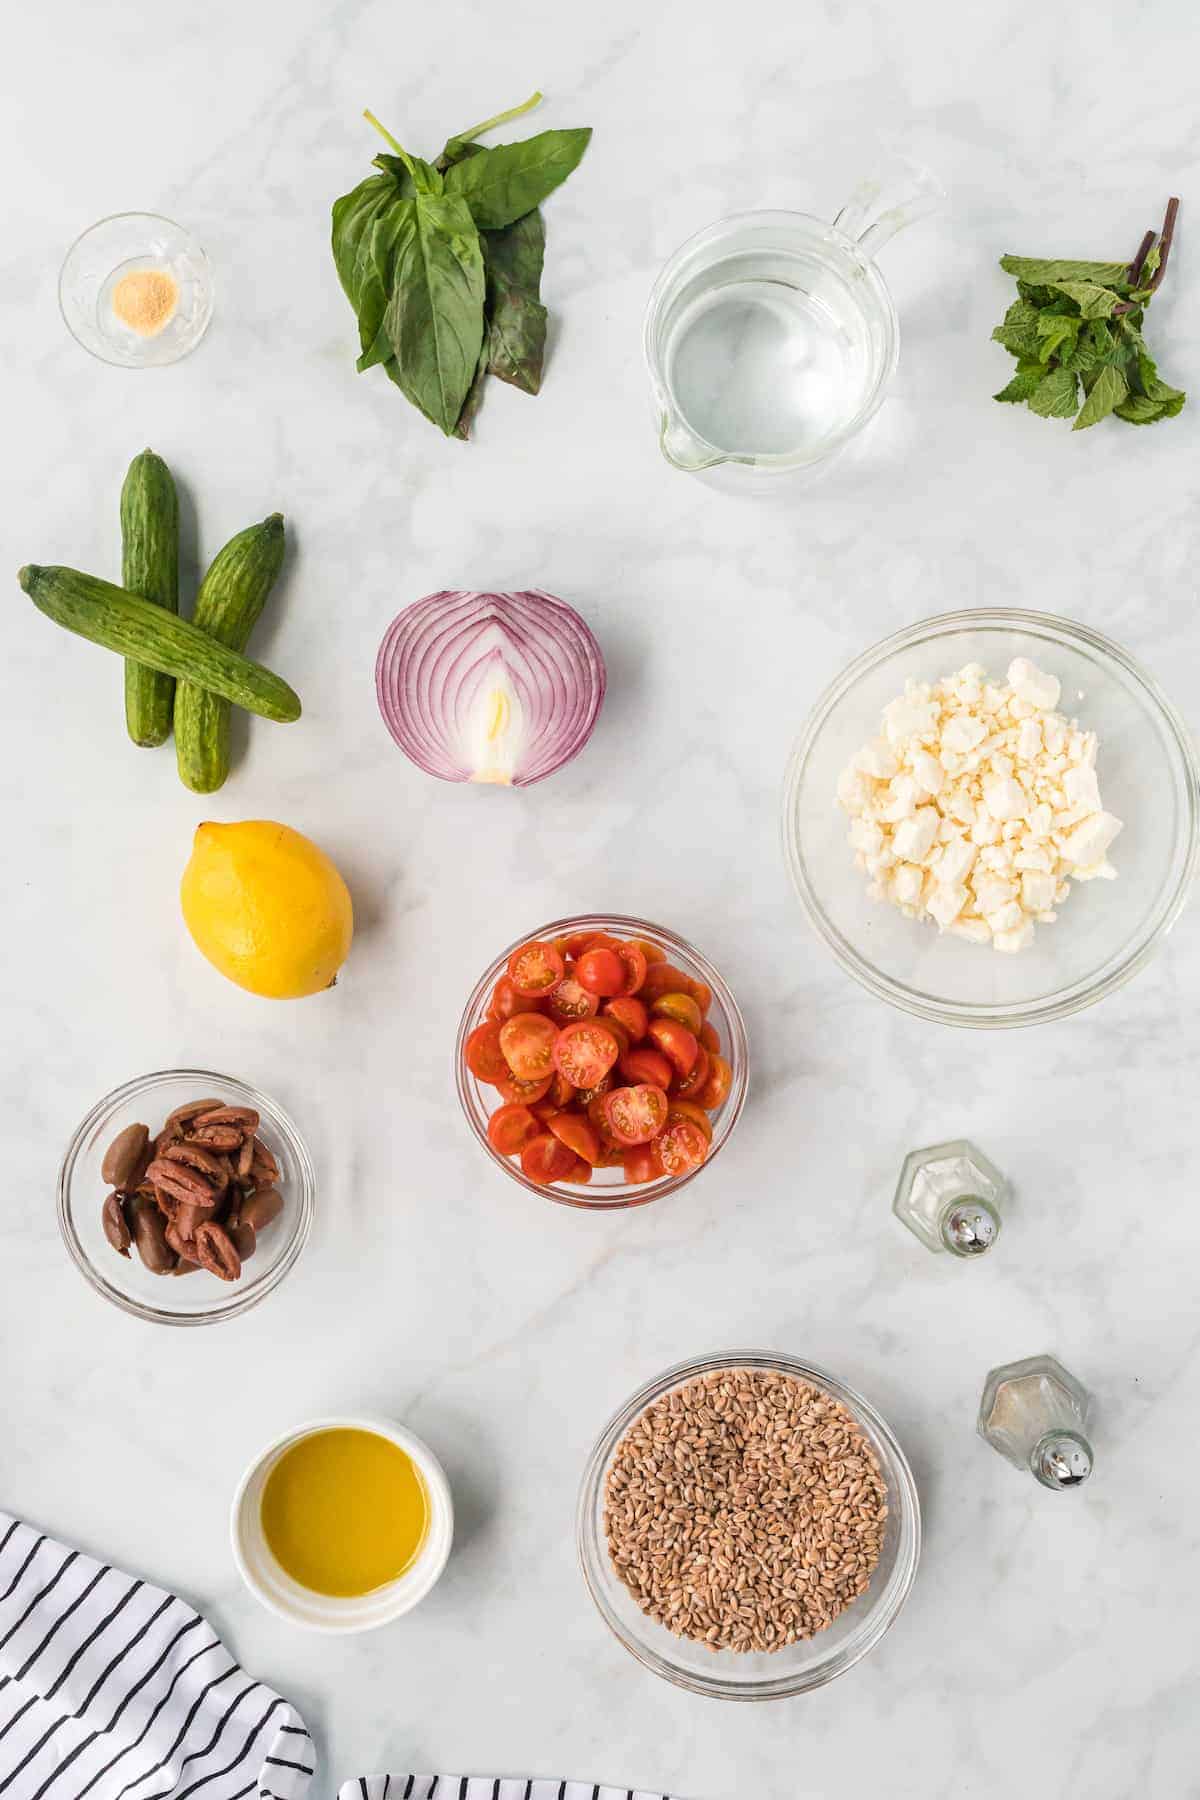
(607, 1188)
(200, 1299)
(123, 245)
(753, 1675)
(1106, 931)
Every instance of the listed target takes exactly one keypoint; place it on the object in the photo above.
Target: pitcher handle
(884, 203)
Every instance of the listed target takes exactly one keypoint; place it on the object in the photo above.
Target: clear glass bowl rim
(621, 1194)
(113, 362)
(848, 246)
(902, 1497)
(1075, 999)
(239, 1301)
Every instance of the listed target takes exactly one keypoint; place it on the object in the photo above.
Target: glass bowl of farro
(748, 1526)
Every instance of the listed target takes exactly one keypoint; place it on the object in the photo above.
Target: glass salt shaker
(950, 1196)
(1034, 1412)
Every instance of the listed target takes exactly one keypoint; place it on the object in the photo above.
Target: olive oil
(344, 1511)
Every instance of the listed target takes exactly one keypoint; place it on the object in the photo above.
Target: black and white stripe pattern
(483, 1787)
(111, 1689)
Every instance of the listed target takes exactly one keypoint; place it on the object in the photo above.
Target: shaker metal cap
(970, 1227)
(1062, 1460)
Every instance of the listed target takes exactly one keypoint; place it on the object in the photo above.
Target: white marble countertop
(1048, 1639)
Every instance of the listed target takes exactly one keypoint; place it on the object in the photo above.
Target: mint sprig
(1075, 330)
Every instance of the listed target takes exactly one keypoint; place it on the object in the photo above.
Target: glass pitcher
(770, 337)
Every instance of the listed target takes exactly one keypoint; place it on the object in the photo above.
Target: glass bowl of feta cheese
(993, 817)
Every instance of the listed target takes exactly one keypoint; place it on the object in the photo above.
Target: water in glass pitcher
(767, 354)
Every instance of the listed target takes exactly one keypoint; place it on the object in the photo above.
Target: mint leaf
(1054, 332)
(1050, 273)
(1094, 302)
(1137, 410)
(1056, 395)
(1146, 375)
(1108, 391)
(1018, 330)
(1024, 383)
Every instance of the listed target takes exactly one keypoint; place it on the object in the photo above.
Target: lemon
(267, 908)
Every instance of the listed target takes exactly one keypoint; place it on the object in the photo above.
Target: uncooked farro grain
(745, 1509)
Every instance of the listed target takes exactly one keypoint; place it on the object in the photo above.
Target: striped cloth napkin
(113, 1689)
(483, 1787)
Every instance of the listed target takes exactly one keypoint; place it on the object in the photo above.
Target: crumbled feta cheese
(976, 804)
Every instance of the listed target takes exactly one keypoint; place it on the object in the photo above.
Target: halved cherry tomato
(634, 959)
(573, 1130)
(599, 1123)
(681, 1007)
(581, 1173)
(526, 1093)
(485, 1058)
(544, 1110)
(561, 1091)
(585, 1096)
(689, 1109)
(506, 1001)
(677, 1043)
(653, 953)
(510, 1129)
(536, 968)
(577, 943)
(641, 1163)
(708, 1036)
(687, 1087)
(628, 1012)
(635, 1114)
(620, 1032)
(702, 994)
(663, 978)
(715, 1091)
(543, 1158)
(571, 1000)
(527, 1040)
(645, 1064)
(585, 1051)
(681, 1147)
(601, 971)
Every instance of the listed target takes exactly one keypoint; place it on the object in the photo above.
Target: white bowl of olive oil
(342, 1525)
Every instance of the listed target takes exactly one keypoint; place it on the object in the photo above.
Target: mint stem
(1139, 259)
(1164, 250)
(503, 118)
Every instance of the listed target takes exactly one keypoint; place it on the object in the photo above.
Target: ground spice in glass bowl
(748, 1526)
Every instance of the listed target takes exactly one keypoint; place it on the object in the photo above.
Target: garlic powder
(978, 804)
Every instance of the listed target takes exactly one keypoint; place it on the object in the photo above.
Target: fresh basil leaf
(503, 183)
(1137, 410)
(1018, 331)
(1056, 332)
(1108, 390)
(434, 319)
(1056, 395)
(470, 407)
(377, 284)
(1023, 384)
(518, 251)
(1050, 272)
(1094, 302)
(353, 216)
(516, 334)
(392, 165)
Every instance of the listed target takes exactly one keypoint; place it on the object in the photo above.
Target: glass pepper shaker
(950, 1196)
(1034, 1412)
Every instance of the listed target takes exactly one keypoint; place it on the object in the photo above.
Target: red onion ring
(455, 660)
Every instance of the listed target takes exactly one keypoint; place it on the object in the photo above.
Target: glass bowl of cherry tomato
(602, 1061)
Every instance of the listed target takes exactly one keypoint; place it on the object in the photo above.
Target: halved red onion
(490, 687)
